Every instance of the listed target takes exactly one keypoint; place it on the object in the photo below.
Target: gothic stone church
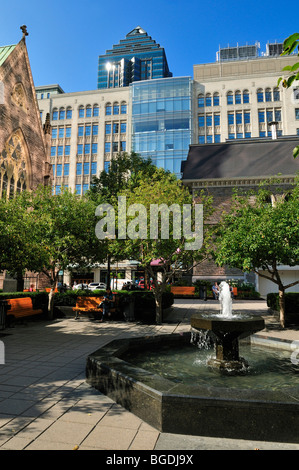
(24, 143)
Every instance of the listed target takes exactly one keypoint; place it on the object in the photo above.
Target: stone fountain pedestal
(225, 333)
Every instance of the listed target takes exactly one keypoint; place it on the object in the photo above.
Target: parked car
(97, 285)
(80, 286)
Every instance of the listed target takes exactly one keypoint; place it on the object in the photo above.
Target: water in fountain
(225, 299)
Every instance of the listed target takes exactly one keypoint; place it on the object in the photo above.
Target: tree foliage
(261, 235)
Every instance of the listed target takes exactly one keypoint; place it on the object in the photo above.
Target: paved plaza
(45, 403)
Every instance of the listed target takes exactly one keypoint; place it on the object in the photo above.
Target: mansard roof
(250, 159)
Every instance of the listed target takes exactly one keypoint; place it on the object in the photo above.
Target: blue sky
(66, 37)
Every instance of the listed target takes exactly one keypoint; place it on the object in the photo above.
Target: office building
(237, 96)
(137, 57)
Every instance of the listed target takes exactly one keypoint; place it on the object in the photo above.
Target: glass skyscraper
(161, 120)
(137, 57)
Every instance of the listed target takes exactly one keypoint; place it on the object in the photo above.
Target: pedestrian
(215, 290)
(107, 303)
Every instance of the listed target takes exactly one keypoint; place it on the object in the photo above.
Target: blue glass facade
(161, 121)
(137, 57)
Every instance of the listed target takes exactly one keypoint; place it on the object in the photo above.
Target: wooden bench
(182, 290)
(21, 307)
(90, 305)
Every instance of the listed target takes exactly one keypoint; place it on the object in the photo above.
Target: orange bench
(183, 290)
(86, 305)
(21, 307)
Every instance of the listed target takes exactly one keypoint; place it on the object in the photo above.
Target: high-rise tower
(137, 57)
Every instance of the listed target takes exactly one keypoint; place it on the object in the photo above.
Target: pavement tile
(109, 438)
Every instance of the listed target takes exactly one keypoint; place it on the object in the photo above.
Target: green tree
(160, 244)
(261, 235)
(63, 227)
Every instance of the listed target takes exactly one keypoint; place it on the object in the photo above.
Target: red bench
(183, 290)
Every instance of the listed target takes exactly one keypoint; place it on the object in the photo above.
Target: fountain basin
(226, 332)
(191, 410)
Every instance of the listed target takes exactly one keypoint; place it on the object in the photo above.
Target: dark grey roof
(248, 159)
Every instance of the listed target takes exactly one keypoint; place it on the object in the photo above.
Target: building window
(53, 151)
(93, 168)
(69, 113)
(123, 108)
(201, 121)
(114, 146)
(123, 127)
(67, 150)
(58, 170)
(231, 118)
(238, 118)
(201, 139)
(246, 117)
(107, 147)
(58, 189)
(209, 121)
(216, 99)
(107, 129)
(106, 166)
(85, 188)
(62, 113)
(86, 168)
(208, 100)
(115, 108)
(95, 129)
(80, 149)
(269, 114)
(231, 136)
(216, 119)
(54, 132)
(239, 135)
(108, 109)
(88, 111)
(53, 170)
(276, 94)
(123, 146)
(115, 128)
(247, 135)
(277, 115)
(66, 169)
(81, 112)
(94, 148)
(217, 138)
(245, 96)
(68, 132)
(48, 95)
(297, 113)
(261, 116)
(78, 189)
(55, 115)
(79, 169)
(209, 139)
(80, 131)
(230, 98)
(268, 94)
(201, 101)
(96, 111)
(61, 132)
(60, 150)
(86, 149)
(262, 134)
(88, 130)
(238, 98)
(260, 96)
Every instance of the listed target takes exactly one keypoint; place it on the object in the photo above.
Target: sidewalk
(45, 403)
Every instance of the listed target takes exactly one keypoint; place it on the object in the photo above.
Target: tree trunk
(51, 299)
(281, 306)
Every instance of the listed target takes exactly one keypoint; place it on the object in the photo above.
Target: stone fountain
(226, 329)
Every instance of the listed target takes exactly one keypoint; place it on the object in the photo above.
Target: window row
(115, 128)
(115, 146)
(61, 170)
(207, 120)
(115, 108)
(238, 118)
(268, 95)
(61, 132)
(88, 130)
(81, 189)
(60, 150)
(86, 168)
(208, 100)
(269, 115)
(86, 148)
(62, 113)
